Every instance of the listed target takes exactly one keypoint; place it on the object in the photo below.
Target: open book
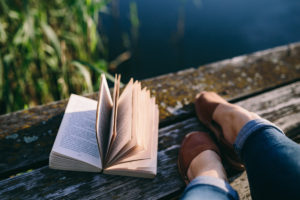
(116, 135)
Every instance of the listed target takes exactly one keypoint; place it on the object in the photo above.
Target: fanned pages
(113, 126)
(123, 122)
(117, 135)
(104, 109)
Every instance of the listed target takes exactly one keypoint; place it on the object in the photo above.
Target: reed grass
(49, 49)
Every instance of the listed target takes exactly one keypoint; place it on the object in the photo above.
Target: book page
(104, 109)
(142, 124)
(76, 137)
(123, 122)
(61, 162)
(131, 148)
(114, 112)
(146, 168)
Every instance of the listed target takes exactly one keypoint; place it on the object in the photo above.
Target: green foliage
(48, 49)
(134, 20)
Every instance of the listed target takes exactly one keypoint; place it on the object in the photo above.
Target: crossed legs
(259, 144)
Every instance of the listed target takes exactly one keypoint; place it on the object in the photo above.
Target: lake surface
(177, 34)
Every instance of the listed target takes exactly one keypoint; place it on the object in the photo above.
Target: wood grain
(231, 78)
(26, 137)
(279, 105)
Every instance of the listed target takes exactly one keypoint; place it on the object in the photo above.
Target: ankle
(207, 163)
(232, 118)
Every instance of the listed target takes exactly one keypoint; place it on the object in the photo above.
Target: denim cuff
(216, 182)
(248, 129)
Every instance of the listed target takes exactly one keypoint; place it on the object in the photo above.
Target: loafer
(193, 144)
(205, 105)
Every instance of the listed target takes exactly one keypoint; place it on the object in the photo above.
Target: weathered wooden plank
(278, 105)
(232, 78)
(281, 106)
(27, 136)
(28, 147)
(241, 185)
(55, 184)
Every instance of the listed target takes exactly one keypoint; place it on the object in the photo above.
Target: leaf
(3, 36)
(92, 35)
(13, 14)
(134, 20)
(2, 80)
(86, 74)
(100, 70)
(32, 39)
(51, 35)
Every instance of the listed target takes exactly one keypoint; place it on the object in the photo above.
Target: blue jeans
(272, 163)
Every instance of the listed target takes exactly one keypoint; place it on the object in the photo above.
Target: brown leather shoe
(193, 144)
(205, 104)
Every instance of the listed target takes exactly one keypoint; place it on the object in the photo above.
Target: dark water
(177, 34)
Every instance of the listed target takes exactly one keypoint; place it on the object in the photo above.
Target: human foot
(207, 163)
(194, 149)
(232, 118)
(224, 120)
(211, 108)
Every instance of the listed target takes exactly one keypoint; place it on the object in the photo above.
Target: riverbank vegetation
(49, 49)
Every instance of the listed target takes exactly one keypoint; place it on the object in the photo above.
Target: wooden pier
(265, 82)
